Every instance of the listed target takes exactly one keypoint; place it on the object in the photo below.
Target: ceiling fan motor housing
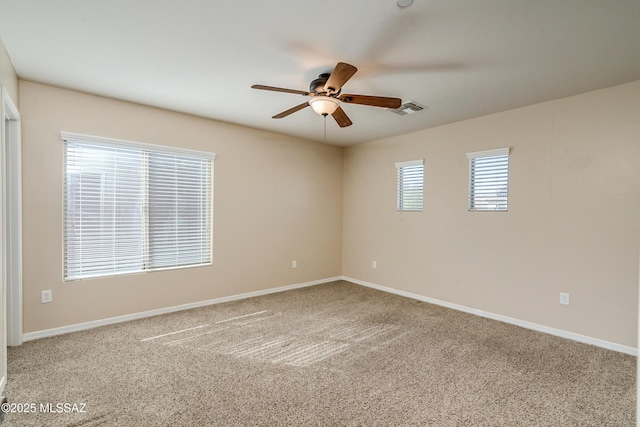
(317, 85)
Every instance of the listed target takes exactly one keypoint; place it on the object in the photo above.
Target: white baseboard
(30, 336)
(522, 323)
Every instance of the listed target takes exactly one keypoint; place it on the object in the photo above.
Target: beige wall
(8, 77)
(275, 199)
(572, 225)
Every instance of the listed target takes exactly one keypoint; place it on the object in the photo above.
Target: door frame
(12, 218)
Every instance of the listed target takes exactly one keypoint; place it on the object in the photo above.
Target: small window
(410, 185)
(488, 180)
(132, 207)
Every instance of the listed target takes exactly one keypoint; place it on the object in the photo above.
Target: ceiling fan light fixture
(324, 105)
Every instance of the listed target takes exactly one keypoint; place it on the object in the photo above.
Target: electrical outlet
(374, 264)
(564, 298)
(46, 296)
(294, 264)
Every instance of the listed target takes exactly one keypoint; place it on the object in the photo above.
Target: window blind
(488, 180)
(410, 185)
(179, 213)
(133, 207)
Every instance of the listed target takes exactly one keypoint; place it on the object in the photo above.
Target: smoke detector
(409, 107)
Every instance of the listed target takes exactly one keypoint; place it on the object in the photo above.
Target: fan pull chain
(325, 127)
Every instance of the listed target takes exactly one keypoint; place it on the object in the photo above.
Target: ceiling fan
(325, 95)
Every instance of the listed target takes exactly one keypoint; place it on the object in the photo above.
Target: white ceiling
(460, 58)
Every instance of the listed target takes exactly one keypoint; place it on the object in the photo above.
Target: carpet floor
(336, 354)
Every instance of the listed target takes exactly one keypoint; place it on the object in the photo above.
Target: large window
(488, 180)
(410, 185)
(131, 207)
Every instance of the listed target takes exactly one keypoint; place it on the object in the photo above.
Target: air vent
(409, 107)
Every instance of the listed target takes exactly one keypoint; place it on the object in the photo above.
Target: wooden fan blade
(341, 118)
(280, 89)
(374, 101)
(340, 75)
(291, 110)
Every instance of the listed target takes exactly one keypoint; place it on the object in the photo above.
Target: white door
(3, 264)
(10, 233)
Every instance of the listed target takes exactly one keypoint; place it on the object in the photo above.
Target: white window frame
(403, 187)
(150, 150)
(493, 200)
